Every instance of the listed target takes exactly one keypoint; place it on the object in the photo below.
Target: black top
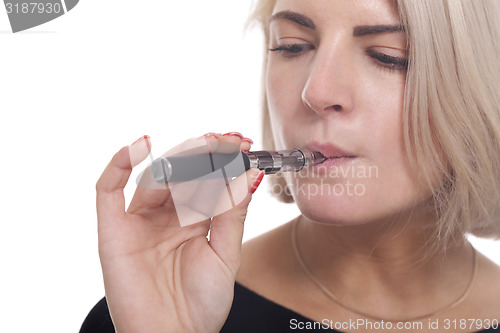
(250, 313)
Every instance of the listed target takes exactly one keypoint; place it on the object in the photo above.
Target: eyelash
(292, 50)
(391, 63)
(381, 59)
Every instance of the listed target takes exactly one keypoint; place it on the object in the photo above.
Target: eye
(292, 50)
(389, 62)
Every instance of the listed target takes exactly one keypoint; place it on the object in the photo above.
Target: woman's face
(335, 83)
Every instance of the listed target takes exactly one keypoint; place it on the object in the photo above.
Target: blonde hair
(452, 109)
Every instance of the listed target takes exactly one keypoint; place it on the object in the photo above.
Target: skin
(326, 85)
(362, 248)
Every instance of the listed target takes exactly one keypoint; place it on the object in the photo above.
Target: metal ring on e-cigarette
(277, 162)
(303, 156)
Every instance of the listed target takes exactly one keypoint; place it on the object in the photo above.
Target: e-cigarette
(187, 167)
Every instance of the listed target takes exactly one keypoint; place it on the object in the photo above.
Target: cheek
(397, 180)
(380, 103)
(277, 88)
(283, 92)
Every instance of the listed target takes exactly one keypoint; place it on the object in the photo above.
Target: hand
(159, 276)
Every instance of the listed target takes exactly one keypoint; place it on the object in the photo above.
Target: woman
(402, 98)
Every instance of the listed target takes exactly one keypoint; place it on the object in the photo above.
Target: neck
(365, 264)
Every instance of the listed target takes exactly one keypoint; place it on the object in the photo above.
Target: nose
(329, 87)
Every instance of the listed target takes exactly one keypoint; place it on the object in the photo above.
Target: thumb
(226, 229)
(110, 200)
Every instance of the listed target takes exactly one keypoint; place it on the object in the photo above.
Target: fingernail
(247, 140)
(257, 182)
(234, 134)
(144, 137)
(139, 150)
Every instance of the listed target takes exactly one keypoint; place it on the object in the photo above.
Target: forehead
(357, 11)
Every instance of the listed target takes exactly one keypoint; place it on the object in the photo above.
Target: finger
(232, 138)
(226, 230)
(110, 199)
(246, 144)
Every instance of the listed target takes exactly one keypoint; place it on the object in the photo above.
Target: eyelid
(290, 40)
(290, 31)
(395, 52)
(387, 61)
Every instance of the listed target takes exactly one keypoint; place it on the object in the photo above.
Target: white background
(75, 90)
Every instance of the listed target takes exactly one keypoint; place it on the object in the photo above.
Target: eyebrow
(358, 31)
(294, 17)
(364, 30)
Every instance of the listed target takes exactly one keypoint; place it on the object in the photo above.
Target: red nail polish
(144, 137)
(257, 182)
(235, 134)
(247, 140)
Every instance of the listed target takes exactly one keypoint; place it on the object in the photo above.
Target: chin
(338, 211)
(360, 210)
